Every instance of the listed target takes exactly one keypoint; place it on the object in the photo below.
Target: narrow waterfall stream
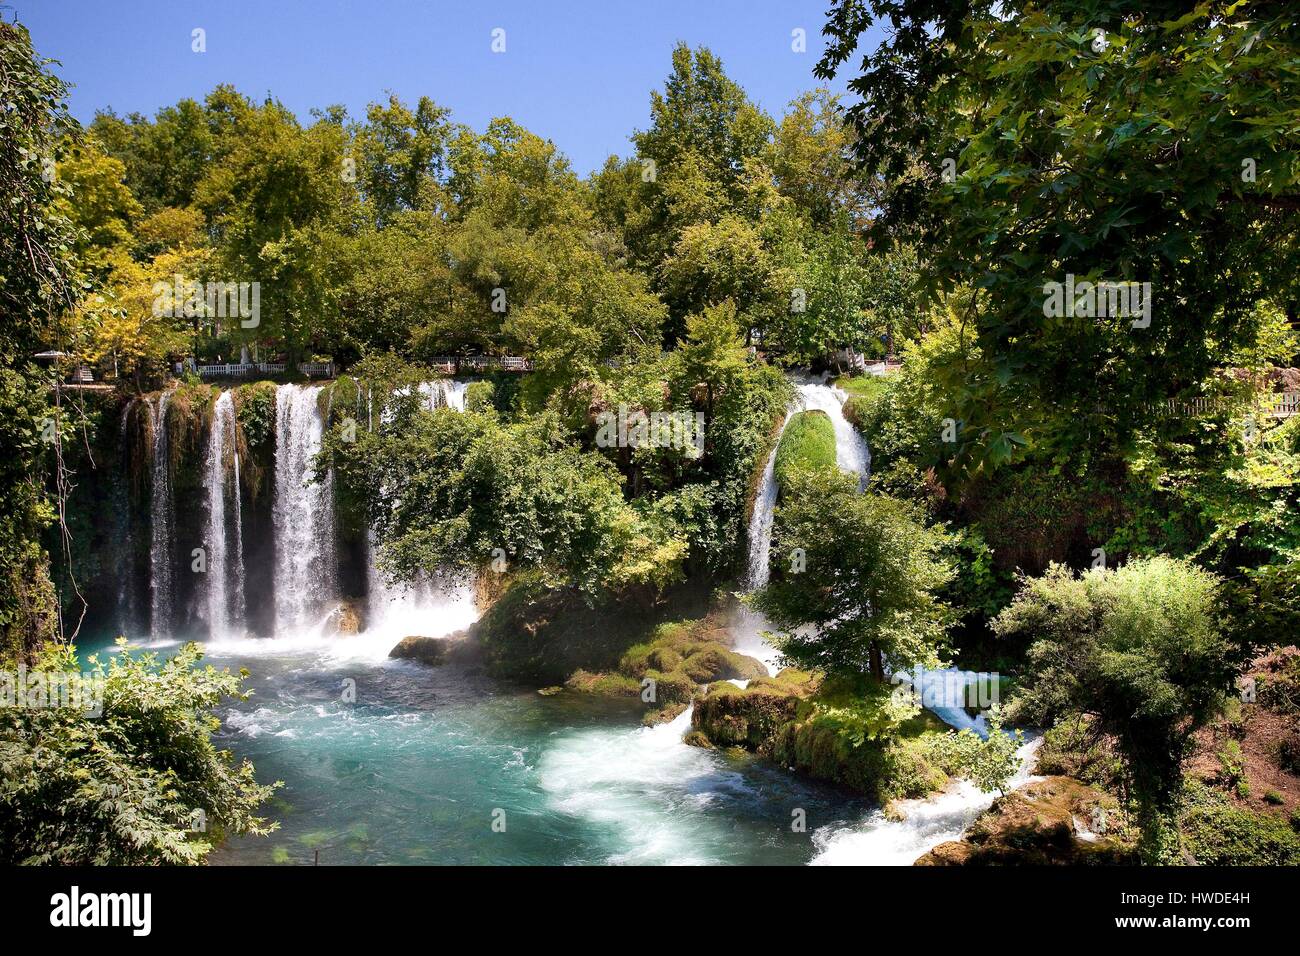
(161, 549)
(303, 514)
(221, 436)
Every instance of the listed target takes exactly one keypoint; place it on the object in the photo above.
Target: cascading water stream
(433, 606)
(851, 455)
(851, 452)
(222, 598)
(444, 393)
(302, 514)
(162, 523)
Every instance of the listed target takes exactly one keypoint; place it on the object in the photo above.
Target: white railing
(1275, 404)
(448, 364)
(234, 370)
(507, 363)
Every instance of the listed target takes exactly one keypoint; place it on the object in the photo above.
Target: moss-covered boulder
(603, 684)
(457, 648)
(752, 716)
(827, 731)
(671, 667)
(663, 715)
(712, 662)
(1054, 821)
(542, 635)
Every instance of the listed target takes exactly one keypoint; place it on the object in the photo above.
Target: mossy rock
(640, 658)
(1047, 822)
(696, 738)
(663, 715)
(671, 688)
(603, 684)
(749, 717)
(713, 662)
(425, 650)
(808, 442)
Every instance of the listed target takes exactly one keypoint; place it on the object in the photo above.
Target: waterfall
(215, 533)
(760, 521)
(162, 523)
(433, 605)
(223, 599)
(851, 455)
(302, 513)
(444, 393)
(851, 452)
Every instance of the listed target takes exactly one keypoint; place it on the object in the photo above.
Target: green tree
(98, 204)
(271, 198)
(39, 282)
(1140, 649)
(1110, 141)
(140, 783)
(866, 590)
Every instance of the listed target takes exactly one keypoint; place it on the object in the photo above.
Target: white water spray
(225, 591)
(161, 521)
(877, 841)
(215, 533)
(302, 513)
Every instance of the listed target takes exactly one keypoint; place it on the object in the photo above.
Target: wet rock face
(347, 618)
(457, 649)
(426, 650)
(1053, 821)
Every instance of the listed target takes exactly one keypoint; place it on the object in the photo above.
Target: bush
(864, 391)
(480, 396)
(139, 784)
(1216, 833)
(808, 442)
(1141, 651)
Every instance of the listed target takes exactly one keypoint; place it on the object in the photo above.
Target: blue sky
(579, 73)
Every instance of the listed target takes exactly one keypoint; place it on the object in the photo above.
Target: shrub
(1141, 650)
(480, 396)
(127, 787)
(1216, 833)
(808, 442)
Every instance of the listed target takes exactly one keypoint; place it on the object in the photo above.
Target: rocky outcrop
(672, 667)
(347, 618)
(802, 724)
(455, 648)
(1052, 821)
(752, 716)
(426, 650)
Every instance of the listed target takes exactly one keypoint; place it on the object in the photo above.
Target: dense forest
(1098, 503)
